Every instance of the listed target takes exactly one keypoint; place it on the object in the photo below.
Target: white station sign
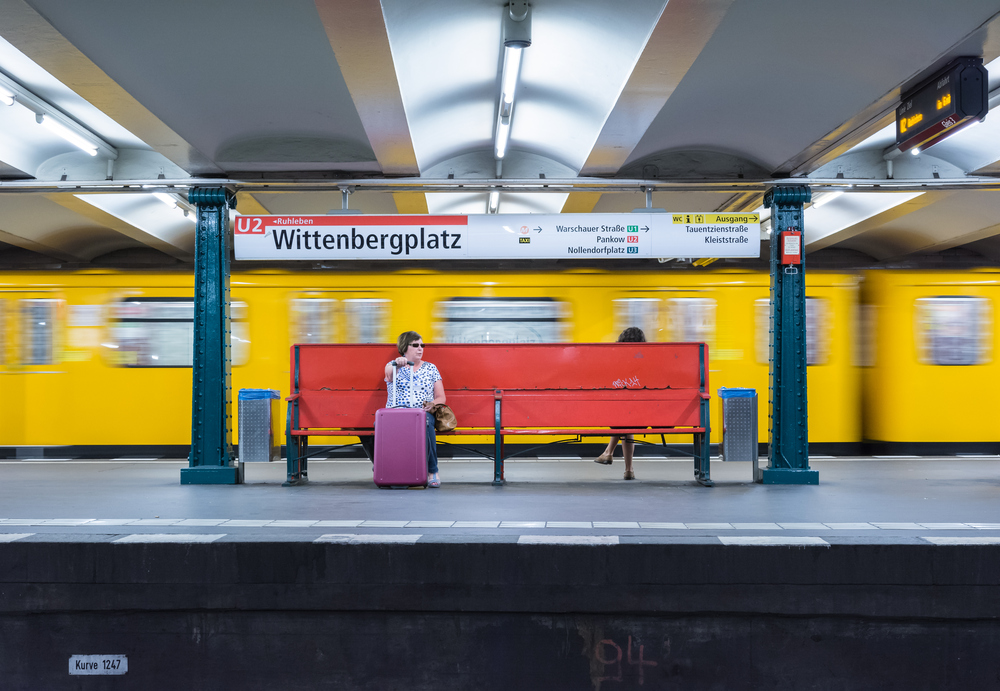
(527, 236)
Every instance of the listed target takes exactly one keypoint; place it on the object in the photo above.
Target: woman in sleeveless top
(417, 386)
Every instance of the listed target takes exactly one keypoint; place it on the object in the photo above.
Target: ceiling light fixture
(503, 136)
(511, 67)
(166, 199)
(66, 133)
(516, 37)
(494, 203)
(55, 120)
(826, 198)
(176, 201)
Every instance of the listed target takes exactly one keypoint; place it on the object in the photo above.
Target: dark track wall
(501, 616)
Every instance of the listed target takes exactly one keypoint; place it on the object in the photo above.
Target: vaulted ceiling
(706, 102)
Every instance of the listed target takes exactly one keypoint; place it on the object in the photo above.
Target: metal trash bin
(739, 426)
(258, 413)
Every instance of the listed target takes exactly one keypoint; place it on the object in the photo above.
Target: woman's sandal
(629, 475)
(604, 459)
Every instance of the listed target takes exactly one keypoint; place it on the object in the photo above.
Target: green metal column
(211, 458)
(788, 450)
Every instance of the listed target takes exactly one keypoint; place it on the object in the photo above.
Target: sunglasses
(416, 345)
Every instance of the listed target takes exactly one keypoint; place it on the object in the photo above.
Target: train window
(239, 334)
(817, 330)
(865, 334)
(159, 332)
(641, 312)
(954, 330)
(501, 320)
(367, 320)
(762, 330)
(314, 320)
(37, 331)
(691, 319)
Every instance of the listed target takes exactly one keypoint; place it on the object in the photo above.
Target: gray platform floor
(944, 499)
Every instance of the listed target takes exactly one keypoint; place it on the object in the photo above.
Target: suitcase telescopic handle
(392, 398)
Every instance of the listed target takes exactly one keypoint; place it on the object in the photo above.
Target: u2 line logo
(249, 226)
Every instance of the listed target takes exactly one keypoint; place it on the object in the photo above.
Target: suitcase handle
(395, 368)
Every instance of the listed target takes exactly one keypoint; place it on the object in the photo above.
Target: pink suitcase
(400, 446)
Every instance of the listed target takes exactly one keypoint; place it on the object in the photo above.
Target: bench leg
(498, 479)
(297, 469)
(294, 446)
(702, 458)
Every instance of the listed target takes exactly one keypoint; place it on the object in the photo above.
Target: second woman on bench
(632, 334)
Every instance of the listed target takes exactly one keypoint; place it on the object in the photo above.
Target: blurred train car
(99, 360)
(929, 361)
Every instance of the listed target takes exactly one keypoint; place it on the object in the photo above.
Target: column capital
(212, 196)
(787, 195)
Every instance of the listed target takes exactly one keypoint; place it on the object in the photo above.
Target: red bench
(509, 391)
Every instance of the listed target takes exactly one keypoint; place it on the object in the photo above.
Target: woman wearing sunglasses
(424, 381)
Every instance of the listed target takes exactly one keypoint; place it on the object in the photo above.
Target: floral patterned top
(419, 382)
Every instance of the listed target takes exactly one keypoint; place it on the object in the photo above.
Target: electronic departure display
(952, 99)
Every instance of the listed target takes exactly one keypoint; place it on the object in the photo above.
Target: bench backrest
(543, 385)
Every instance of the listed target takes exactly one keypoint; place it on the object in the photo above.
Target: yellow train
(929, 360)
(100, 359)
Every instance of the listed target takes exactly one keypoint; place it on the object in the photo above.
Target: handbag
(444, 418)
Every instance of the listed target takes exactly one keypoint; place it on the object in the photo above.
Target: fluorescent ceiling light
(494, 203)
(54, 119)
(852, 210)
(511, 67)
(145, 213)
(176, 202)
(502, 136)
(166, 199)
(826, 198)
(66, 133)
(517, 37)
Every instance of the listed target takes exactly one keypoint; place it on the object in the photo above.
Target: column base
(213, 475)
(789, 476)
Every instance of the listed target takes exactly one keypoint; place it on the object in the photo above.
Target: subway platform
(884, 575)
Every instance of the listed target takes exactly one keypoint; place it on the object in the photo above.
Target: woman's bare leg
(606, 457)
(628, 447)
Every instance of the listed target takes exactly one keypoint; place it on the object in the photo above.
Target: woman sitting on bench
(427, 391)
